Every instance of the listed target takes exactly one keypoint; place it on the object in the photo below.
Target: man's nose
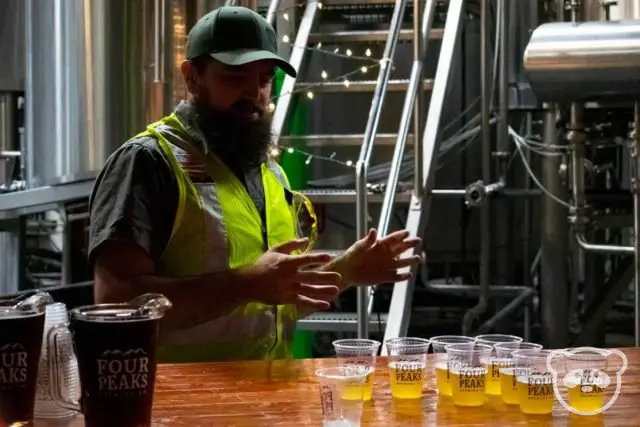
(252, 91)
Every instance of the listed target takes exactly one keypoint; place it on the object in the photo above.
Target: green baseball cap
(235, 35)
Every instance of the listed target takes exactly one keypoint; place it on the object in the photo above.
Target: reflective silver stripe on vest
(236, 326)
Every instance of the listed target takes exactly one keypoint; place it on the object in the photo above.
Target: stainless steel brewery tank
(584, 61)
(97, 72)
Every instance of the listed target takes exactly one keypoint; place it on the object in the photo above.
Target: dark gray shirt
(135, 197)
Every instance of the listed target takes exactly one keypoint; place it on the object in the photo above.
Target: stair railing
(413, 102)
(400, 306)
(362, 166)
(298, 51)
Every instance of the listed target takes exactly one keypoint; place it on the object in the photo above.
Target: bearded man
(193, 208)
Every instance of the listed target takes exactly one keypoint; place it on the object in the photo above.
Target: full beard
(242, 144)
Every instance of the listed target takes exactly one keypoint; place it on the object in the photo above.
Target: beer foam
(539, 379)
(443, 366)
(586, 378)
(515, 371)
(500, 361)
(409, 365)
(467, 371)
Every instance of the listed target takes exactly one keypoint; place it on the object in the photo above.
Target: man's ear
(190, 76)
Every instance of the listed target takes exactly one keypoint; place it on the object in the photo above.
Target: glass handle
(55, 381)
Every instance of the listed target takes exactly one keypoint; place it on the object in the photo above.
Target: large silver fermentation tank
(584, 61)
(97, 72)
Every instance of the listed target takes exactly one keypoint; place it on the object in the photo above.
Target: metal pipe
(271, 12)
(526, 233)
(8, 137)
(602, 249)
(158, 40)
(553, 241)
(636, 223)
(414, 94)
(576, 138)
(502, 140)
(419, 55)
(405, 121)
(523, 298)
(297, 56)
(362, 167)
(485, 213)
(473, 289)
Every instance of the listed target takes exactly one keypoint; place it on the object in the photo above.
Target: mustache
(245, 107)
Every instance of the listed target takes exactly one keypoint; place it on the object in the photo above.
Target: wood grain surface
(285, 393)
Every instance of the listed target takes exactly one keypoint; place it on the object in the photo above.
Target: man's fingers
(403, 246)
(408, 262)
(299, 261)
(310, 304)
(316, 292)
(291, 245)
(396, 237)
(319, 278)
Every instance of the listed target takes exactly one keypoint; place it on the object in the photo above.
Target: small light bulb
(285, 16)
(346, 83)
(319, 5)
(319, 45)
(306, 162)
(336, 50)
(363, 69)
(310, 95)
(349, 163)
(349, 53)
(271, 107)
(324, 74)
(368, 52)
(274, 152)
(285, 38)
(333, 155)
(290, 150)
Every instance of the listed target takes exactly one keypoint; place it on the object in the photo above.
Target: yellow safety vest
(218, 227)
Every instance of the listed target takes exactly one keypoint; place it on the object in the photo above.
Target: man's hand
(370, 260)
(281, 278)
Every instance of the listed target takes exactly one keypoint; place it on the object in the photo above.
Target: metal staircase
(425, 149)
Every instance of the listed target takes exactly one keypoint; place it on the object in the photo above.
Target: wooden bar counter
(285, 393)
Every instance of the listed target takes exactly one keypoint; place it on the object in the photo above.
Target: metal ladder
(398, 317)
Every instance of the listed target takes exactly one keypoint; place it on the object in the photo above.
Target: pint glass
(535, 381)
(21, 328)
(467, 364)
(495, 363)
(116, 347)
(407, 366)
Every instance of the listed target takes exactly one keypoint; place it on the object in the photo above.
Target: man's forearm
(195, 300)
(338, 265)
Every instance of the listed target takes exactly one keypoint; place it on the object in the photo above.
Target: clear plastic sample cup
(407, 366)
(335, 384)
(495, 363)
(467, 364)
(535, 381)
(586, 378)
(359, 352)
(442, 375)
(508, 372)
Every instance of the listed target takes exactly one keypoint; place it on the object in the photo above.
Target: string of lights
(308, 87)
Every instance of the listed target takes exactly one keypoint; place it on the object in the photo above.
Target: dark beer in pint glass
(116, 346)
(21, 328)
